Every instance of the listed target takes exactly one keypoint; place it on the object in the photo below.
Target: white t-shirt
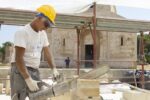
(33, 42)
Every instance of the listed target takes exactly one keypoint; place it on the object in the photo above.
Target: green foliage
(147, 58)
(7, 44)
(146, 46)
(2, 48)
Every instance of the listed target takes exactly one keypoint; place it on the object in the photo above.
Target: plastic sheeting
(70, 6)
(61, 6)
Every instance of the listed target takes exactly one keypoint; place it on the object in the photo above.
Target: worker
(67, 61)
(29, 42)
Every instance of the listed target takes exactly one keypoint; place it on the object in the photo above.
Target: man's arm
(20, 62)
(32, 84)
(49, 57)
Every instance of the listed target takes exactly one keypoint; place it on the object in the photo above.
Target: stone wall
(116, 49)
(8, 53)
(63, 44)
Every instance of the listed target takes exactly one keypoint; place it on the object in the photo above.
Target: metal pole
(91, 30)
(78, 50)
(94, 35)
(143, 59)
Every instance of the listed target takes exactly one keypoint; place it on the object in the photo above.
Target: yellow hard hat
(48, 11)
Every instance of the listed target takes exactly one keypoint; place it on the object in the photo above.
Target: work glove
(56, 74)
(32, 84)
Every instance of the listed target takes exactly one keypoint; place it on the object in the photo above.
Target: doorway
(88, 56)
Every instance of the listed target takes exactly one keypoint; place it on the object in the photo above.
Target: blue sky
(7, 32)
(134, 13)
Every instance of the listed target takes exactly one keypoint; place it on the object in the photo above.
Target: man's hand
(56, 74)
(32, 84)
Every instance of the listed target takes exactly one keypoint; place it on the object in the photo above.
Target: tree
(146, 46)
(2, 49)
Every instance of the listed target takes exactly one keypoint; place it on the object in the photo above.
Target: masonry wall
(116, 49)
(63, 43)
(119, 49)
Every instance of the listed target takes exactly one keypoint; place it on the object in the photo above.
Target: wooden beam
(22, 17)
(123, 25)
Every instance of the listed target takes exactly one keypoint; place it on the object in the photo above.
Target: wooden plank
(70, 21)
(122, 25)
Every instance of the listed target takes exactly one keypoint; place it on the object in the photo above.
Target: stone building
(116, 49)
(8, 53)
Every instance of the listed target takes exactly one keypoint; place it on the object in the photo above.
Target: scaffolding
(92, 22)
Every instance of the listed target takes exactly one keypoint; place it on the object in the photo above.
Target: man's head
(45, 18)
